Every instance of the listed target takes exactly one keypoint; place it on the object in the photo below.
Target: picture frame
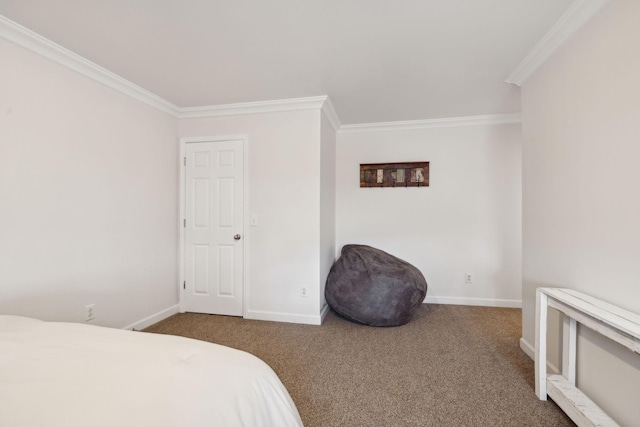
(403, 174)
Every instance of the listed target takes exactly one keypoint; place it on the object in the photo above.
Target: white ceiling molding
(495, 119)
(26, 38)
(34, 42)
(260, 107)
(573, 19)
(331, 115)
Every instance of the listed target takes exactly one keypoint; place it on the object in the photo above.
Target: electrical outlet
(90, 312)
(468, 278)
(303, 292)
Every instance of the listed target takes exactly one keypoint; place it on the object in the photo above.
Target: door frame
(183, 212)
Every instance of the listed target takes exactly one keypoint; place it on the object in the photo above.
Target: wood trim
(530, 351)
(495, 119)
(273, 316)
(571, 21)
(479, 302)
(330, 114)
(260, 107)
(154, 318)
(34, 42)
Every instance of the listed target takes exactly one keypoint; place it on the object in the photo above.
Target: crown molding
(495, 119)
(580, 12)
(34, 42)
(331, 115)
(260, 107)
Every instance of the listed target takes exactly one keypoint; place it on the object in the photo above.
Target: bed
(67, 374)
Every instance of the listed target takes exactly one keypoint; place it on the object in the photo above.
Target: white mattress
(66, 374)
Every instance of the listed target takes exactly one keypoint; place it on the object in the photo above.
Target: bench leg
(569, 349)
(541, 345)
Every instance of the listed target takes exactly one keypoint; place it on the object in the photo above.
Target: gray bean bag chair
(370, 286)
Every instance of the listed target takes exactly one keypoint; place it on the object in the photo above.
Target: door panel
(214, 195)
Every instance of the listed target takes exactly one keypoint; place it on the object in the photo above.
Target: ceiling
(378, 60)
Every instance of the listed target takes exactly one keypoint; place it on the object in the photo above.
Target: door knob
(237, 237)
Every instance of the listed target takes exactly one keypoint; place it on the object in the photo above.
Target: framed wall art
(408, 174)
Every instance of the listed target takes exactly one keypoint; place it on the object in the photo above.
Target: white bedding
(67, 375)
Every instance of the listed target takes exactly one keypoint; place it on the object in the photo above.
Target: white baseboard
(530, 351)
(323, 312)
(154, 318)
(484, 302)
(283, 317)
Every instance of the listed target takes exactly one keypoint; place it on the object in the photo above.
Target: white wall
(284, 192)
(468, 220)
(88, 197)
(327, 203)
(581, 127)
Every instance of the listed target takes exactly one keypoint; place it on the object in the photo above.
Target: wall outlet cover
(90, 312)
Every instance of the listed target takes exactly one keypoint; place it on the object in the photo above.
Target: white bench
(620, 325)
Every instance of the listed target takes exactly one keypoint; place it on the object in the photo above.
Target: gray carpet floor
(449, 366)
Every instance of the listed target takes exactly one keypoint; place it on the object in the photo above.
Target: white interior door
(214, 241)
